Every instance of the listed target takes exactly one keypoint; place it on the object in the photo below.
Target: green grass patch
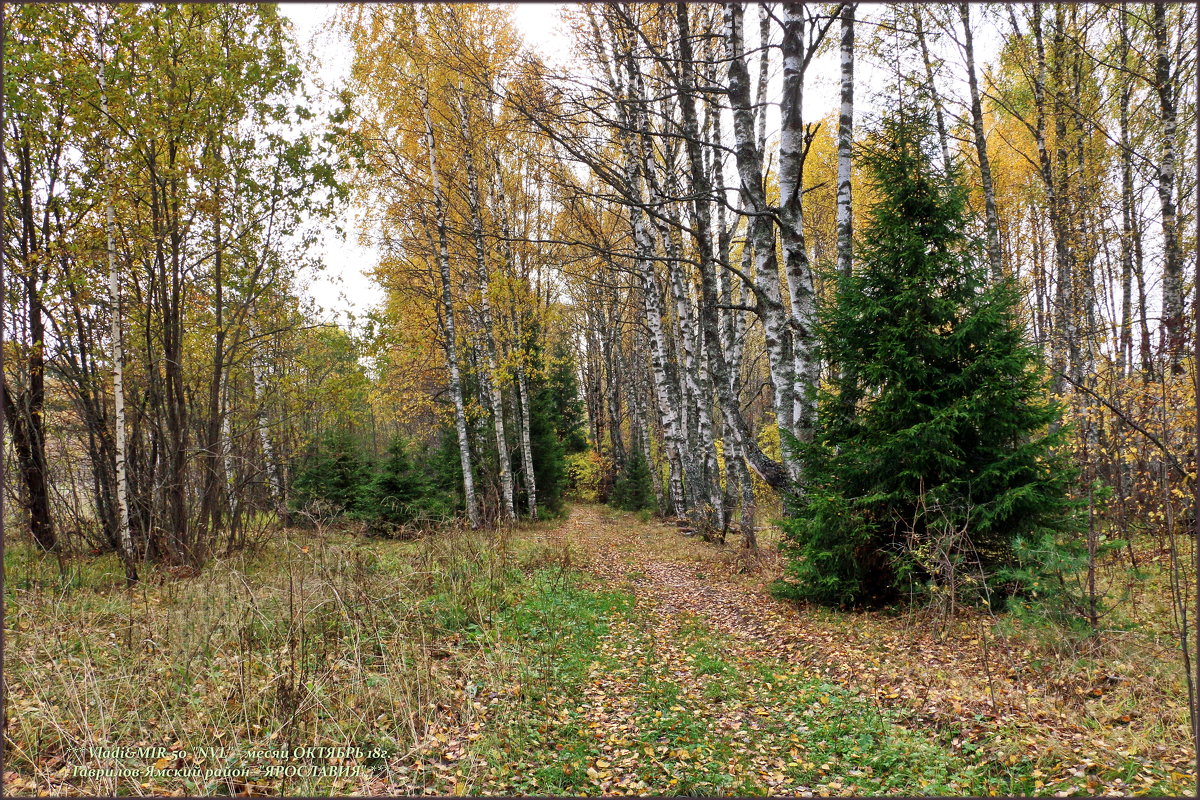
(688, 717)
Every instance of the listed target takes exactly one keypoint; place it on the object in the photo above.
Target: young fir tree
(330, 476)
(401, 492)
(549, 400)
(568, 406)
(936, 433)
(632, 490)
(445, 467)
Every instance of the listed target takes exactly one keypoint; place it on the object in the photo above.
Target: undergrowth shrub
(586, 472)
(330, 477)
(402, 493)
(1049, 581)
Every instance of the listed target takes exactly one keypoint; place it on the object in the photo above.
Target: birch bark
(118, 366)
(760, 231)
(991, 220)
(508, 508)
(793, 147)
(647, 246)
(264, 440)
(443, 261)
(527, 465)
(1172, 292)
(702, 227)
(845, 221)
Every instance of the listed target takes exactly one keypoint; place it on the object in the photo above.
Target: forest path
(983, 698)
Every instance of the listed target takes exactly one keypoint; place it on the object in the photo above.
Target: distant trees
(465, 206)
(403, 489)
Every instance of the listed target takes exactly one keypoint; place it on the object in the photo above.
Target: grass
(1099, 711)
(314, 640)
(491, 664)
(605, 706)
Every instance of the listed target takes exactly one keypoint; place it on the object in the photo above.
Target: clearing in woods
(596, 654)
(654, 667)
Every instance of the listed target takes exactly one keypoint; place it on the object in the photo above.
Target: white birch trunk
(443, 260)
(760, 232)
(939, 113)
(526, 446)
(227, 464)
(791, 202)
(1172, 291)
(508, 509)
(845, 218)
(118, 363)
(991, 219)
(527, 465)
(764, 66)
(264, 439)
(667, 404)
(645, 245)
(701, 191)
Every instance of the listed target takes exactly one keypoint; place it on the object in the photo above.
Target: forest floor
(598, 654)
(692, 679)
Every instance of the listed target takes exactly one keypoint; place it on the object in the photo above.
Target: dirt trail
(966, 680)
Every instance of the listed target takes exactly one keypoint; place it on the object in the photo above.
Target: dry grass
(323, 639)
(317, 639)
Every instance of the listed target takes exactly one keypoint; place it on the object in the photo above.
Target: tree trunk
(443, 260)
(508, 508)
(274, 483)
(938, 109)
(702, 223)
(985, 166)
(210, 510)
(1126, 155)
(668, 405)
(845, 219)
(118, 370)
(26, 411)
(1172, 292)
(1060, 318)
(793, 148)
(760, 228)
(526, 447)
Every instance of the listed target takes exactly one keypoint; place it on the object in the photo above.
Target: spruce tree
(568, 407)
(546, 403)
(632, 491)
(331, 475)
(402, 491)
(936, 434)
(445, 467)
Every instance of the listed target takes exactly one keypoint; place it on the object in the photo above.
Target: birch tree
(992, 226)
(845, 217)
(118, 363)
(447, 310)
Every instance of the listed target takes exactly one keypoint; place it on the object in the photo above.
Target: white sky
(344, 289)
